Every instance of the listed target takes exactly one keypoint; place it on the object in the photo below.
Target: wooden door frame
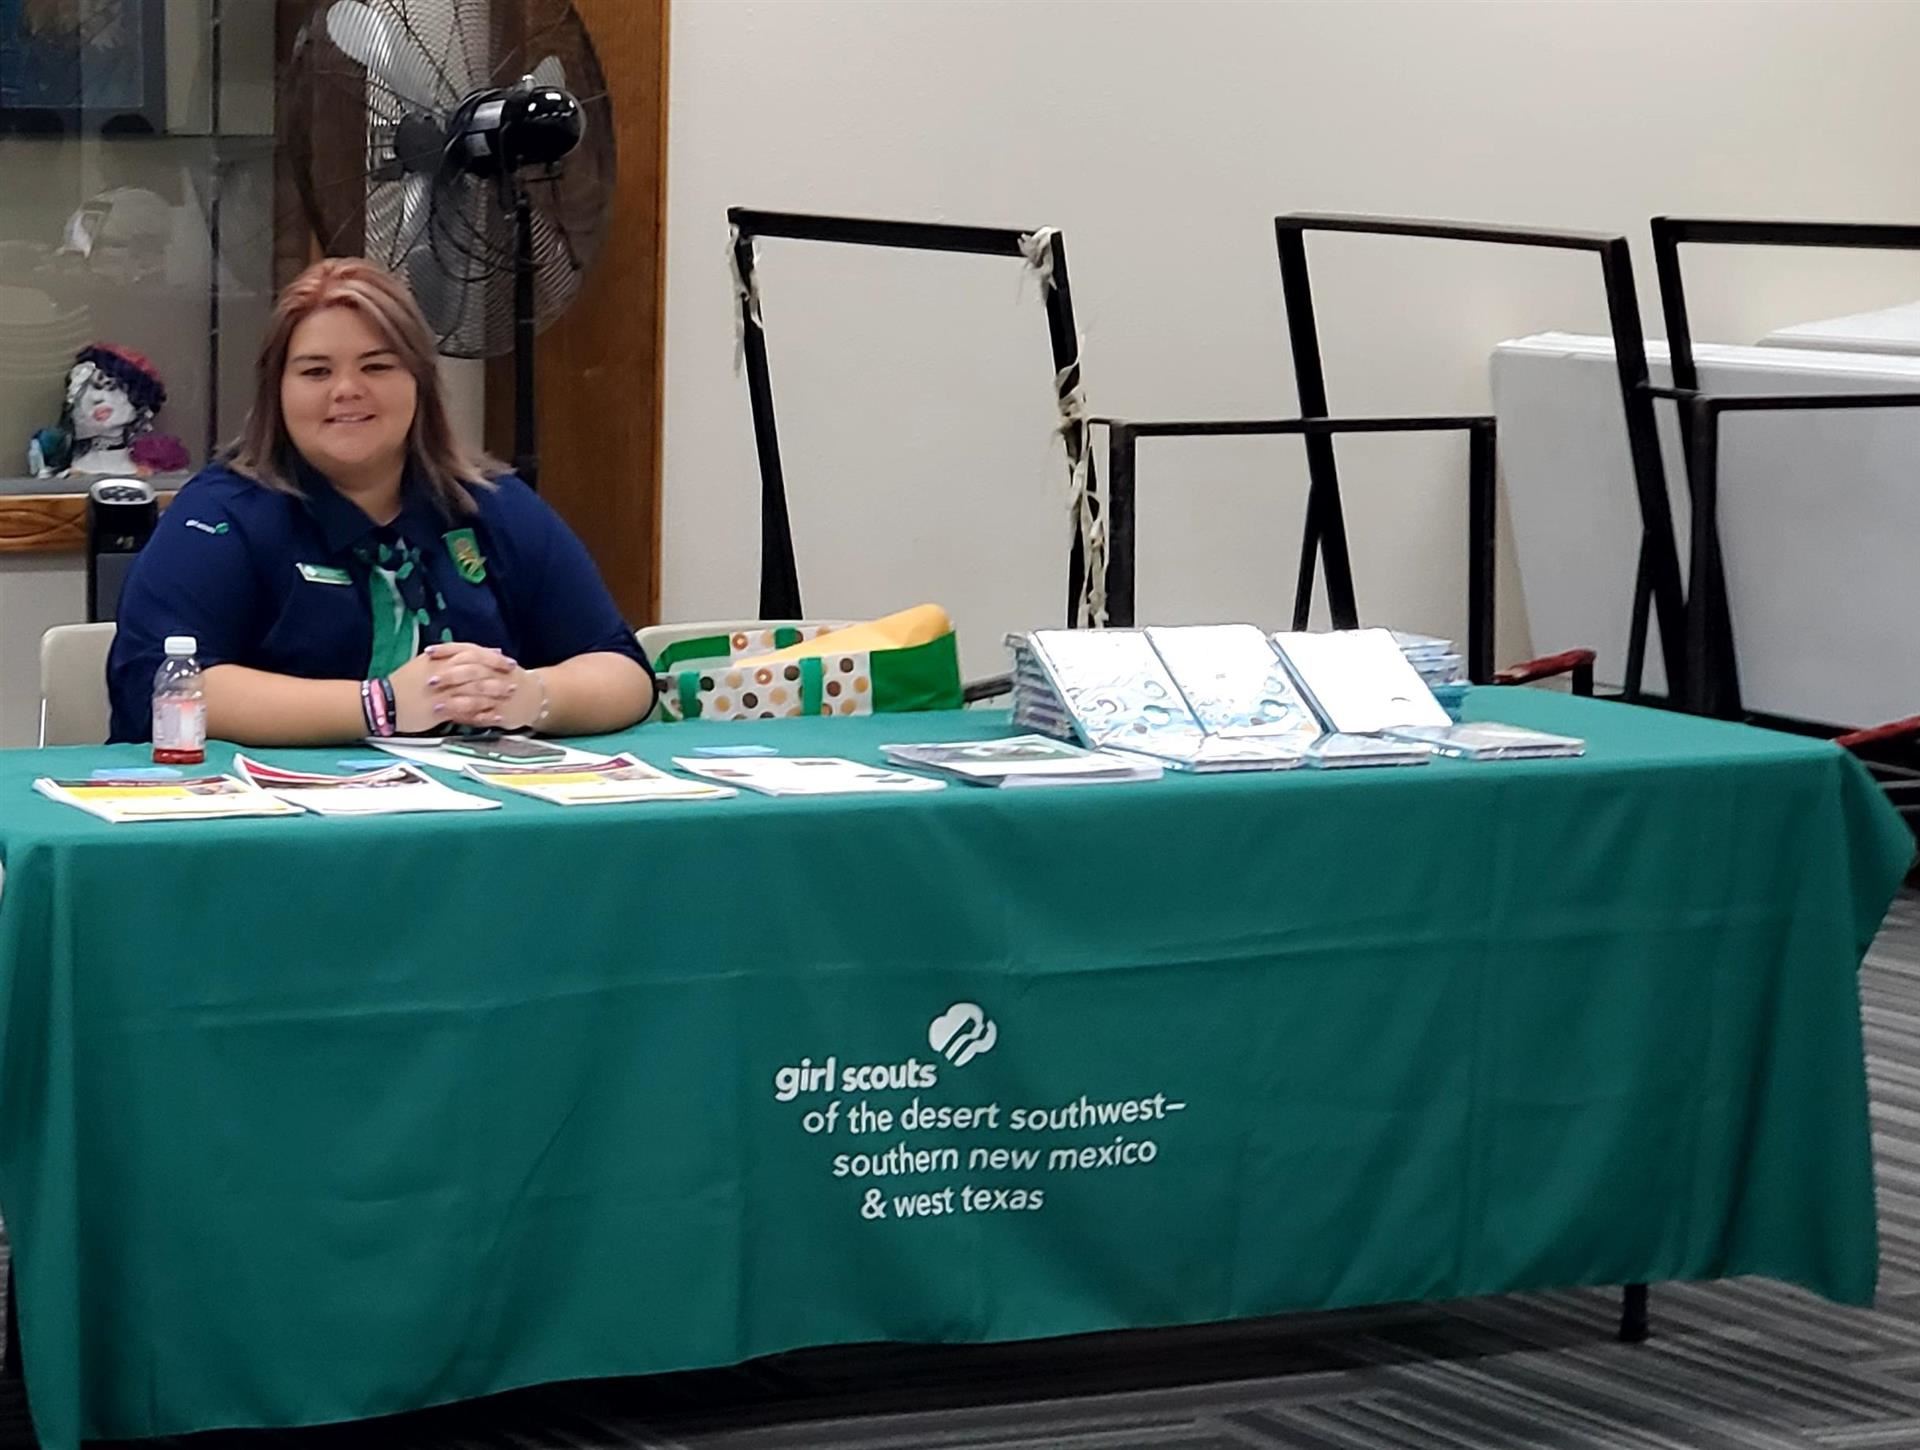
(600, 369)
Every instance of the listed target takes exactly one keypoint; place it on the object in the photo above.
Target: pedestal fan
(468, 146)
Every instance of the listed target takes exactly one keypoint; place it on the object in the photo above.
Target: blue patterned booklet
(1198, 698)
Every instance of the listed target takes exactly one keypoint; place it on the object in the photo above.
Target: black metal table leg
(1633, 1314)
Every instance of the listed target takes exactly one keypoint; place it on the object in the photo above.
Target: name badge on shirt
(323, 574)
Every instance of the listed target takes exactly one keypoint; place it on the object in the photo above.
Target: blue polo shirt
(281, 583)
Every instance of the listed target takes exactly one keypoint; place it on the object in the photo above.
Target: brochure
(619, 781)
(191, 798)
(395, 790)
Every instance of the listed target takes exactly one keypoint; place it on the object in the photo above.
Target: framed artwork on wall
(72, 67)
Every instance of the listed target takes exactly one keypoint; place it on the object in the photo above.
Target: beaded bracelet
(546, 700)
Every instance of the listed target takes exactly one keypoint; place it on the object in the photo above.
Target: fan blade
(380, 223)
(452, 267)
(426, 279)
(389, 54)
(465, 66)
(550, 73)
(416, 196)
(426, 274)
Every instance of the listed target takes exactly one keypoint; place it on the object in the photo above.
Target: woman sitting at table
(349, 569)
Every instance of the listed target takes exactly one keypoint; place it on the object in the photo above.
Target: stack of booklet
(1199, 698)
(1023, 760)
(1227, 697)
(1432, 657)
(1436, 662)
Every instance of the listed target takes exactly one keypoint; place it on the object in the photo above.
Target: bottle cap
(181, 645)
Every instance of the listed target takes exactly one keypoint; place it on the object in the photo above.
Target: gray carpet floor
(1744, 1365)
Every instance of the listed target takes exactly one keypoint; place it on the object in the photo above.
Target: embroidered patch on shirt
(323, 574)
(206, 528)
(466, 555)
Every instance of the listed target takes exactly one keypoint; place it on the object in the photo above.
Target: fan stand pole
(526, 454)
(216, 171)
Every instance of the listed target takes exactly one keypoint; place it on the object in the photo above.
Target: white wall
(37, 591)
(1162, 136)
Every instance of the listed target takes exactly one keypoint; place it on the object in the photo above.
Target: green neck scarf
(407, 610)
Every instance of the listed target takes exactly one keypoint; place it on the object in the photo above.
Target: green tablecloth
(310, 1119)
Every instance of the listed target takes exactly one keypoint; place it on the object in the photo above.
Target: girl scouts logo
(962, 1033)
(466, 556)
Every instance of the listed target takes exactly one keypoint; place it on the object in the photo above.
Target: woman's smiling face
(347, 400)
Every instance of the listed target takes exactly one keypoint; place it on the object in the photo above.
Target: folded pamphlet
(137, 798)
(620, 780)
(393, 790)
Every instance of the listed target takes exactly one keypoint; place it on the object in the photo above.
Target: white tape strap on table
(746, 298)
(1088, 517)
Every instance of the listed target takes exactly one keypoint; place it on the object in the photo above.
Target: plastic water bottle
(179, 705)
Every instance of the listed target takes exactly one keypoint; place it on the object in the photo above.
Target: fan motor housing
(497, 131)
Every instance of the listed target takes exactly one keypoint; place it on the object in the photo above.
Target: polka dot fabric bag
(773, 674)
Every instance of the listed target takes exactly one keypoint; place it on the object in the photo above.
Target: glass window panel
(121, 170)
